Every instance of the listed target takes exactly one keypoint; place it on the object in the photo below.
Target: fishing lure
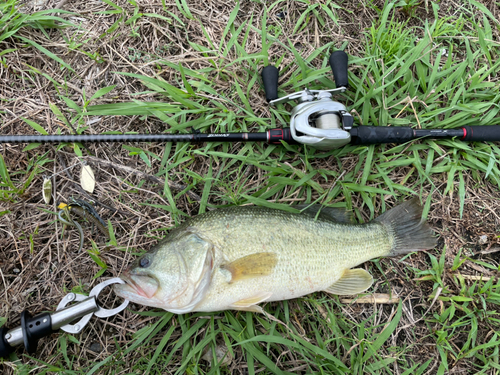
(64, 209)
(84, 210)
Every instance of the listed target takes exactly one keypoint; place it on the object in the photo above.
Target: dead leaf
(87, 179)
(222, 355)
(47, 190)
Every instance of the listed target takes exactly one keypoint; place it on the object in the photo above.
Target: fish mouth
(142, 285)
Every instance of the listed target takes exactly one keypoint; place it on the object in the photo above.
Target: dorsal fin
(339, 215)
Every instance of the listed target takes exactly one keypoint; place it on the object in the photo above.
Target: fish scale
(312, 255)
(237, 257)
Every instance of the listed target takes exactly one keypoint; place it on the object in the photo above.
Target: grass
(170, 69)
(13, 20)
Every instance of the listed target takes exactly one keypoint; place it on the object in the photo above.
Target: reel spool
(317, 120)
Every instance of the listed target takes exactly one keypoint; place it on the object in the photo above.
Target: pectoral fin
(352, 282)
(255, 265)
(250, 304)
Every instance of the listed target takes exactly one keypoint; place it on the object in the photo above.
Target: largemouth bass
(235, 258)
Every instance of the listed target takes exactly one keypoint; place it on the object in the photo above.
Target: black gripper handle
(5, 348)
(486, 133)
(270, 76)
(34, 328)
(369, 135)
(338, 63)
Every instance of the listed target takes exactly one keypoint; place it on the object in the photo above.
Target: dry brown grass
(39, 265)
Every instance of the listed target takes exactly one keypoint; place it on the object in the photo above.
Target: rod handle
(484, 133)
(270, 76)
(370, 135)
(338, 63)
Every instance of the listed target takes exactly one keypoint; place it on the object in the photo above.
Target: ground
(190, 65)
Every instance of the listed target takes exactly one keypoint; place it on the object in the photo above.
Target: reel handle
(338, 63)
(270, 79)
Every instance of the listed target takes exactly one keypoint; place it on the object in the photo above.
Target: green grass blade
(384, 335)
(47, 52)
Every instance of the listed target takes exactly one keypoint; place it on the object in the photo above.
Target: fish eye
(144, 262)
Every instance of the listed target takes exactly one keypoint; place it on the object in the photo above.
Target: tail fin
(410, 232)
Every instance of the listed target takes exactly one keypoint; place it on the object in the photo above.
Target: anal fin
(252, 308)
(352, 282)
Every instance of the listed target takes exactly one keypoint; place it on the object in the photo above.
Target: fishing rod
(316, 120)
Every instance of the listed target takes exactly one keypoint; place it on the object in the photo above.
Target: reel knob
(270, 76)
(338, 63)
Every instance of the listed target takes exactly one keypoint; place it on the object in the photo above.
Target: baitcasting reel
(317, 120)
